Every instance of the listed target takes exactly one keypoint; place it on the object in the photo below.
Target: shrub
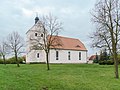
(8, 61)
(119, 60)
(108, 62)
(95, 61)
(1, 61)
(102, 62)
(37, 62)
(13, 61)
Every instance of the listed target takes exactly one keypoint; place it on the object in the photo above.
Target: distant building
(93, 57)
(71, 51)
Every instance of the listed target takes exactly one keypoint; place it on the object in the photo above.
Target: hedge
(12, 60)
(106, 62)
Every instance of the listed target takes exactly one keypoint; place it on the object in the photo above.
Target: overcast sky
(18, 15)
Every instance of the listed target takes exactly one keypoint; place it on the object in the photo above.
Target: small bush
(13, 61)
(95, 61)
(102, 62)
(37, 62)
(1, 61)
(108, 62)
(8, 62)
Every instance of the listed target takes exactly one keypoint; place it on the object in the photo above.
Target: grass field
(60, 77)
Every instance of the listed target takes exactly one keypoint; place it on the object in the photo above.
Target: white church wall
(63, 56)
(32, 56)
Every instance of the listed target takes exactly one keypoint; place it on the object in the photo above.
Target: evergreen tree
(96, 58)
(101, 56)
(105, 55)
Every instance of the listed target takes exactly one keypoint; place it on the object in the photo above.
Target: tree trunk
(4, 59)
(116, 66)
(16, 58)
(47, 59)
(114, 49)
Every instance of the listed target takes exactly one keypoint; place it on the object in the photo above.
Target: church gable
(38, 27)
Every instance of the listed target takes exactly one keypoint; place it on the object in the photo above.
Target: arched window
(38, 55)
(41, 35)
(68, 55)
(79, 55)
(57, 55)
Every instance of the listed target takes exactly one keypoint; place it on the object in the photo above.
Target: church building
(71, 51)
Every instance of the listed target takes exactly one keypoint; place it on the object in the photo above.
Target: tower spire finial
(36, 18)
(36, 14)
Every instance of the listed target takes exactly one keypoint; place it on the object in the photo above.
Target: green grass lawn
(60, 77)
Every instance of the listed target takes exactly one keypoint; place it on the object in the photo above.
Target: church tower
(34, 34)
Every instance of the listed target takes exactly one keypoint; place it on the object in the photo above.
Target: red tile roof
(92, 57)
(70, 44)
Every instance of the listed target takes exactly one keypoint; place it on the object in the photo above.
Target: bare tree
(3, 51)
(15, 42)
(51, 28)
(106, 16)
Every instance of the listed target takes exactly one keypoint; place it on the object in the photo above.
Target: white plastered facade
(63, 55)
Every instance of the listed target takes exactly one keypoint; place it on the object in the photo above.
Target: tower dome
(36, 20)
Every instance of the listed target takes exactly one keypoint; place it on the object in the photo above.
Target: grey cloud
(73, 13)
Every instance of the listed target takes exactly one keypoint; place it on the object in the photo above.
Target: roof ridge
(68, 37)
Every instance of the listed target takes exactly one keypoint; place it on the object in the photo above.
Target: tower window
(41, 35)
(68, 55)
(57, 55)
(35, 34)
(38, 55)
